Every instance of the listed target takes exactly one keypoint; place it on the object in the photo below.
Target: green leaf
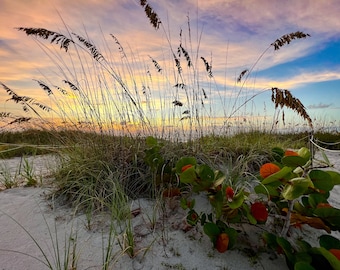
(303, 266)
(192, 203)
(269, 189)
(270, 239)
(151, 141)
(296, 187)
(300, 208)
(331, 215)
(216, 202)
(205, 173)
(334, 262)
(304, 153)
(250, 217)
(303, 257)
(188, 176)
(203, 219)
(277, 176)
(221, 225)
(329, 242)
(278, 153)
(335, 176)
(325, 158)
(184, 203)
(303, 245)
(219, 178)
(192, 217)
(287, 248)
(321, 180)
(232, 233)
(237, 200)
(212, 230)
(294, 161)
(316, 198)
(185, 161)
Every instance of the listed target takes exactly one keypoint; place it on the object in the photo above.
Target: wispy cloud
(301, 79)
(319, 106)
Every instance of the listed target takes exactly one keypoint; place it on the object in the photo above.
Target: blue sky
(230, 34)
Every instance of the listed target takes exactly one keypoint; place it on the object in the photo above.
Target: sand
(30, 224)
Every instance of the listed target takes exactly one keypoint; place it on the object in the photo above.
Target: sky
(231, 35)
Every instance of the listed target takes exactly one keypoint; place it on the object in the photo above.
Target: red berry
(268, 169)
(222, 242)
(259, 212)
(229, 192)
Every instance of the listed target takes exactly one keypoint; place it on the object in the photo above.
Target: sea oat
(45, 34)
(284, 98)
(286, 39)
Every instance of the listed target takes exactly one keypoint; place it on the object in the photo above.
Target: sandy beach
(32, 225)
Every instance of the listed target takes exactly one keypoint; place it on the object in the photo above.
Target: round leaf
(278, 153)
(316, 198)
(334, 262)
(329, 242)
(212, 230)
(232, 233)
(205, 173)
(335, 177)
(188, 176)
(219, 178)
(304, 153)
(321, 180)
(296, 187)
(250, 217)
(294, 161)
(270, 239)
(303, 266)
(286, 246)
(277, 176)
(237, 200)
(331, 215)
(269, 189)
(185, 161)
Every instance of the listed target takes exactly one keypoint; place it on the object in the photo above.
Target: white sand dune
(29, 222)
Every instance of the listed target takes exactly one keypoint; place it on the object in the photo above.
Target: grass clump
(92, 166)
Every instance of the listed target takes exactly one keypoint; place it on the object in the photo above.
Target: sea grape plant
(288, 190)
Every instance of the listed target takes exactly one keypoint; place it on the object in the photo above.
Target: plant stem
(287, 220)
